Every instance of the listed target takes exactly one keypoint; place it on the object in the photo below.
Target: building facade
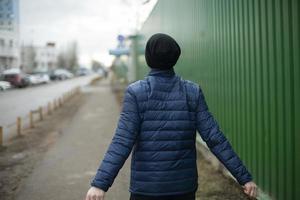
(39, 58)
(9, 34)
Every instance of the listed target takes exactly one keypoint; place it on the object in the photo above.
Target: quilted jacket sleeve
(122, 143)
(217, 142)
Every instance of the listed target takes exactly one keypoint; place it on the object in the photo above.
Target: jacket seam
(164, 150)
(171, 181)
(167, 170)
(166, 160)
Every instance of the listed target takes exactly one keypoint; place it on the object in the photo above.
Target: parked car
(83, 71)
(33, 80)
(4, 85)
(39, 78)
(16, 77)
(60, 74)
(44, 77)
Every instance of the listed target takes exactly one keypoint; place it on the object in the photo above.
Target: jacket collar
(161, 72)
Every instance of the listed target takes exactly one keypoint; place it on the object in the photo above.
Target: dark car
(83, 71)
(17, 80)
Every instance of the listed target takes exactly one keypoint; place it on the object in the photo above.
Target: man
(159, 120)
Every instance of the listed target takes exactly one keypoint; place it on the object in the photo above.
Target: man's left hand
(250, 189)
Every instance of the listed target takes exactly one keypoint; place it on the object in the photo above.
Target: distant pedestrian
(105, 73)
(159, 120)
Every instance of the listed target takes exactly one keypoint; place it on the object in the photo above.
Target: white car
(33, 79)
(39, 78)
(61, 74)
(42, 77)
(4, 85)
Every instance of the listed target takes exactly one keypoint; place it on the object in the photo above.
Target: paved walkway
(67, 168)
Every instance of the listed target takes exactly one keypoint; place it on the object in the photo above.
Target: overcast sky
(95, 24)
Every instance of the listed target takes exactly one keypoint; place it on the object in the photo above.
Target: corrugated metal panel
(245, 55)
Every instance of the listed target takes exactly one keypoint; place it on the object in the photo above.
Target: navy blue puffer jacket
(159, 120)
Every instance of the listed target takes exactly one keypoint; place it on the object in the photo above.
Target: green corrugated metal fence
(245, 55)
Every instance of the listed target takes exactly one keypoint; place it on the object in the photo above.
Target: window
(11, 43)
(2, 42)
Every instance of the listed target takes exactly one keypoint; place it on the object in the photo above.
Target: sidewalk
(67, 168)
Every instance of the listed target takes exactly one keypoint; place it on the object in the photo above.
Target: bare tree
(68, 57)
(96, 65)
(73, 56)
(61, 60)
(28, 58)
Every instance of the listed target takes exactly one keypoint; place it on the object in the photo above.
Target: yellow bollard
(55, 104)
(54, 107)
(31, 119)
(49, 108)
(63, 98)
(41, 113)
(19, 126)
(1, 136)
(59, 102)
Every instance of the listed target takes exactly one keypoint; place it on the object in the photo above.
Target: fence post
(54, 104)
(49, 108)
(31, 119)
(19, 126)
(1, 136)
(41, 113)
(59, 102)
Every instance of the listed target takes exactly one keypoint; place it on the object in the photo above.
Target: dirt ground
(213, 185)
(19, 156)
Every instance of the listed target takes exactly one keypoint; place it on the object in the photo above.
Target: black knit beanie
(162, 51)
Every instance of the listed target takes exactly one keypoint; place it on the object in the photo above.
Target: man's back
(164, 155)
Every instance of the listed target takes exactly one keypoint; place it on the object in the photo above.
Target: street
(18, 102)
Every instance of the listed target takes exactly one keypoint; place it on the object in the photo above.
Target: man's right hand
(95, 194)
